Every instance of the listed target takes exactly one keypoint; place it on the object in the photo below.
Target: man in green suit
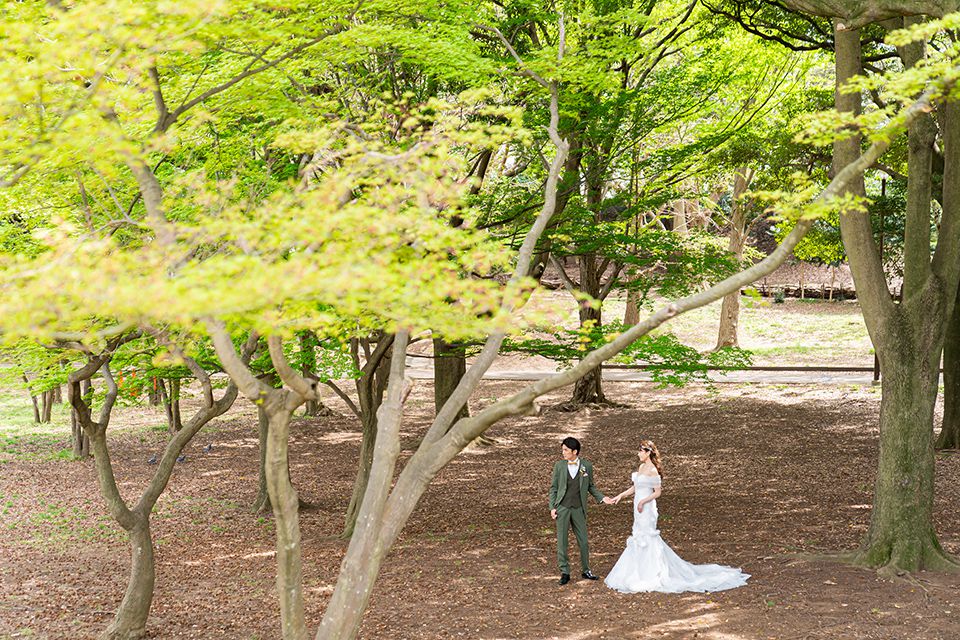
(572, 481)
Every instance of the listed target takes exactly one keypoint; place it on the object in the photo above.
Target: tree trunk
(589, 388)
(57, 395)
(901, 535)
(950, 429)
(908, 338)
(631, 315)
(33, 400)
(46, 406)
(449, 365)
(279, 408)
(171, 404)
(262, 502)
(730, 308)
(308, 360)
(370, 388)
(79, 438)
(153, 393)
(130, 620)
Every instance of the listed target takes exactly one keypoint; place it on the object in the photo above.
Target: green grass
(793, 333)
(56, 524)
(802, 333)
(23, 439)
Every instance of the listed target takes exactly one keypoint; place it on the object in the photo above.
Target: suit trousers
(576, 518)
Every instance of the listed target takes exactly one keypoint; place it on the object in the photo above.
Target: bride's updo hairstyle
(654, 454)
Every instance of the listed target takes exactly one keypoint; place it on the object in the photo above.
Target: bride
(648, 564)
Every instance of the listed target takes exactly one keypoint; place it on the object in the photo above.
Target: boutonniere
(583, 472)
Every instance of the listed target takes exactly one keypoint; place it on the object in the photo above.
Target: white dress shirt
(573, 468)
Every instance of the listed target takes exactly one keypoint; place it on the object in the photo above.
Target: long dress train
(648, 564)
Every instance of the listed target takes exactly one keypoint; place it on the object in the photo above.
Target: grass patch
(59, 525)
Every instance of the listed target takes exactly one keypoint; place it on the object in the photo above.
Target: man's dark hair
(571, 443)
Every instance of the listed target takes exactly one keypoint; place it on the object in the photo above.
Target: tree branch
(297, 383)
(451, 408)
(233, 364)
(344, 397)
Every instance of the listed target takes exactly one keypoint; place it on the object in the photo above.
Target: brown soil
(755, 476)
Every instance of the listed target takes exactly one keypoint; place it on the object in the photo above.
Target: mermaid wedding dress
(648, 564)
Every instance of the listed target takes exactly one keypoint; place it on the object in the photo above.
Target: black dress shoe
(589, 575)
(564, 578)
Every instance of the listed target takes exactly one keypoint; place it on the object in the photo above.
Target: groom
(572, 480)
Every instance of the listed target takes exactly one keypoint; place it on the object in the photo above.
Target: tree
(369, 245)
(644, 110)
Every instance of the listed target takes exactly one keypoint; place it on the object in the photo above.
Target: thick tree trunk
(283, 498)
(950, 429)
(130, 621)
(908, 337)
(901, 535)
(449, 365)
(589, 388)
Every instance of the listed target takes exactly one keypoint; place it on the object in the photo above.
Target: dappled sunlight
(687, 626)
(341, 437)
(219, 472)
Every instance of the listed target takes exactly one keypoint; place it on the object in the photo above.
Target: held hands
(609, 500)
(553, 513)
(617, 499)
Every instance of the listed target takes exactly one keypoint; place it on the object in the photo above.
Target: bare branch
(568, 284)
(343, 396)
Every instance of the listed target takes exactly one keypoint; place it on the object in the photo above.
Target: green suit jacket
(558, 486)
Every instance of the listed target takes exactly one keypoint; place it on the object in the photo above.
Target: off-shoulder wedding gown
(648, 564)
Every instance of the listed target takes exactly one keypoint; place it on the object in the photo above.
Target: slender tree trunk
(730, 307)
(130, 621)
(308, 360)
(262, 502)
(57, 395)
(33, 400)
(370, 388)
(79, 438)
(81, 441)
(950, 429)
(46, 406)
(171, 404)
(153, 393)
(279, 407)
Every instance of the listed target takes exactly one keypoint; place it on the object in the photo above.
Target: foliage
(669, 361)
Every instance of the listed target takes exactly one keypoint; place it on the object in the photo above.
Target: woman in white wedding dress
(648, 564)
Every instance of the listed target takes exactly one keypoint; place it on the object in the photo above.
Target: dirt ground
(754, 476)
